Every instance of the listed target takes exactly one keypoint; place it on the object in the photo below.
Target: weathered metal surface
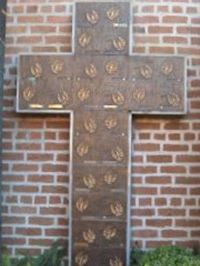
(99, 234)
(110, 257)
(137, 83)
(102, 28)
(100, 170)
(99, 177)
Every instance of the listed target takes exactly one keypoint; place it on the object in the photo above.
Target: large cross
(101, 86)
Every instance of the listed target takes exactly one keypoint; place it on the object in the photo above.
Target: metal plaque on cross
(101, 85)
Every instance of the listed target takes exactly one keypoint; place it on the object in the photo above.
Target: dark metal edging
(3, 4)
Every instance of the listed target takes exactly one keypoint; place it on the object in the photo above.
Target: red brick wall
(166, 161)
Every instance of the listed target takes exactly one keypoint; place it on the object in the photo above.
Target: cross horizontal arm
(139, 84)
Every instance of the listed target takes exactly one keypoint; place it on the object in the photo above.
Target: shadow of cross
(101, 86)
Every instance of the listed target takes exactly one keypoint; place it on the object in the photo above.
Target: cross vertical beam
(101, 86)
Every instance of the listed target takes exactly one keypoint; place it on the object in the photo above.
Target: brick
(158, 180)
(42, 49)
(173, 190)
(195, 233)
(156, 244)
(25, 189)
(188, 223)
(59, 19)
(56, 232)
(30, 251)
(146, 19)
(42, 221)
(196, 20)
(189, 51)
(62, 157)
(173, 169)
(174, 136)
(57, 39)
(171, 212)
(10, 199)
(188, 158)
(146, 125)
(13, 178)
(143, 212)
(145, 233)
(175, 147)
(147, 147)
(54, 168)
(195, 41)
(32, 9)
(26, 199)
(145, 190)
(144, 169)
(145, 202)
(159, 158)
(158, 222)
(177, 40)
(60, 8)
(43, 29)
(195, 83)
(40, 242)
(148, 9)
(29, 39)
(195, 191)
(25, 167)
(159, 49)
(40, 157)
(23, 210)
(55, 199)
(159, 136)
(176, 125)
(28, 231)
(175, 19)
(195, 169)
(189, 136)
(63, 222)
(159, 29)
(40, 200)
(195, 212)
(13, 241)
(190, 180)
(174, 233)
(52, 211)
(30, 19)
(13, 220)
(175, 202)
(56, 146)
(177, 9)
(160, 202)
(28, 146)
(41, 178)
(55, 189)
(190, 202)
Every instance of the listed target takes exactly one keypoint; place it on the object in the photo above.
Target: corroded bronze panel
(99, 234)
(110, 257)
(109, 122)
(99, 177)
(100, 148)
(156, 84)
(112, 206)
(102, 28)
(138, 83)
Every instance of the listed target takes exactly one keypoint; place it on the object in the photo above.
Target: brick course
(165, 205)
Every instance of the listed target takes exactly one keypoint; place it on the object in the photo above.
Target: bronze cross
(101, 86)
